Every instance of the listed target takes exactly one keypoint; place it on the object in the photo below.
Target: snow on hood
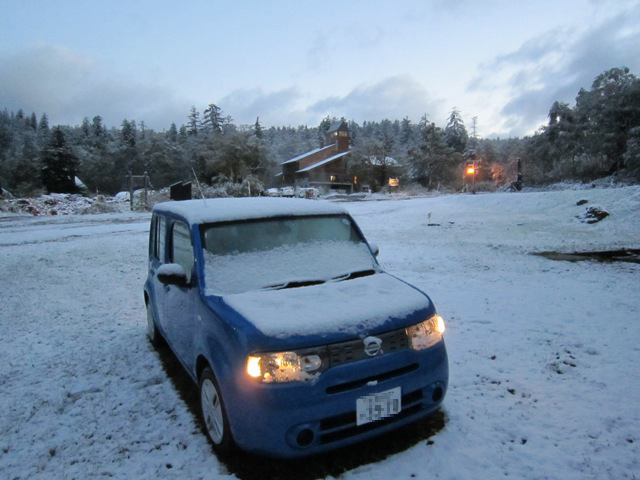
(351, 306)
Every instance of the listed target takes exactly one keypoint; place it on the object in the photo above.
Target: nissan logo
(372, 346)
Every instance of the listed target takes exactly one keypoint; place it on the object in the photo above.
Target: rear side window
(162, 238)
(181, 250)
(158, 237)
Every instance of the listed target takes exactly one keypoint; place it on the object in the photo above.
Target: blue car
(297, 339)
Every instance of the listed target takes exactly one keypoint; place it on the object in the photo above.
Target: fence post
(130, 191)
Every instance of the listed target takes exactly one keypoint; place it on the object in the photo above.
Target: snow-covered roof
(322, 162)
(306, 154)
(232, 209)
(335, 126)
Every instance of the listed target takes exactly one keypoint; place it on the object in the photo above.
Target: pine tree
(44, 123)
(607, 114)
(85, 127)
(43, 131)
(194, 122)
(213, 118)
(128, 133)
(59, 164)
(182, 134)
(406, 131)
(455, 133)
(98, 128)
(257, 129)
(25, 174)
(33, 122)
(432, 162)
(172, 133)
(323, 128)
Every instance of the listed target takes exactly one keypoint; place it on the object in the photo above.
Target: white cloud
(68, 87)
(274, 108)
(392, 98)
(555, 66)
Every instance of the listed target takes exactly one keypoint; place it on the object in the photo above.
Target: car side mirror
(375, 249)
(172, 274)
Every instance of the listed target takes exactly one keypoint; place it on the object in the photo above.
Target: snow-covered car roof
(232, 209)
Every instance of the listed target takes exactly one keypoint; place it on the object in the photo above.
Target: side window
(161, 237)
(157, 237)
(181, 250)
(153, 237)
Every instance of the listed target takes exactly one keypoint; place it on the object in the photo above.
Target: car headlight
(426, 333)
(280, 367)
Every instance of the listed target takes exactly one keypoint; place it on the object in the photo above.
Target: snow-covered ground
(544, 355)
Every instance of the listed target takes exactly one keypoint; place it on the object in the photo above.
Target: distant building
(385, 172)
(324, 167)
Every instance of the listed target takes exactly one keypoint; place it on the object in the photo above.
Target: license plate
(378, 406)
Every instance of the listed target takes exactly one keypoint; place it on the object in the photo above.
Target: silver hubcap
(151, 327)
(212, 410)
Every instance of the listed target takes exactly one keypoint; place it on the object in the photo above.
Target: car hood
(344, 307)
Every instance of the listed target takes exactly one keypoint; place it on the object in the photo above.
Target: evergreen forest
(597, 137)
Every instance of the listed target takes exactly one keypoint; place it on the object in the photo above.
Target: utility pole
(470, 172)
(474, 133)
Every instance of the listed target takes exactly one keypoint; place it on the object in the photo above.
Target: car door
(178, 301)
(157, 257)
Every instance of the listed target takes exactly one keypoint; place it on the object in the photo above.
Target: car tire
(214, 416)
(152, 329)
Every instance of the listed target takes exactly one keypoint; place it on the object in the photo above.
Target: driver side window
(181, 250)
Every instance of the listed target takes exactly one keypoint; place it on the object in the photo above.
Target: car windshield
(282, 253)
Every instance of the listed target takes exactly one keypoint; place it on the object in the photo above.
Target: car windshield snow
(282, 253)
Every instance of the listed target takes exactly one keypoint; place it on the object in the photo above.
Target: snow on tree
(406, 131)
(128, 133)
(59, 164)
(432, 162)
(257, 129)
(33, 122)
(213, 118)
(98, 128)
(172, 133)
(455, 133)
(193, 125)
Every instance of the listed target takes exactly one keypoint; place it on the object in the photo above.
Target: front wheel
(213, 413)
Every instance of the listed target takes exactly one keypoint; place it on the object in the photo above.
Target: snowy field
(544, 355)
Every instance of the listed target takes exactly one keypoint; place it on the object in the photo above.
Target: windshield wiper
(352, 275)
(302, 283)
(308, 283)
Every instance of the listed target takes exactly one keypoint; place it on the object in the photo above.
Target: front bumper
(299, 419)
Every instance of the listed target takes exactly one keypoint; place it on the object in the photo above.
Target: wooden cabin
(324, 167)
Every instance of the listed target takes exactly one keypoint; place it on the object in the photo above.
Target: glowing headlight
(281, 367)
(426, 333)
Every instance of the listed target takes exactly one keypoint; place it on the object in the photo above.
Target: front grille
(344, 426)
(353, 350)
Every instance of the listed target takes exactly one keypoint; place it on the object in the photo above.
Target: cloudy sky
(293, 62)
